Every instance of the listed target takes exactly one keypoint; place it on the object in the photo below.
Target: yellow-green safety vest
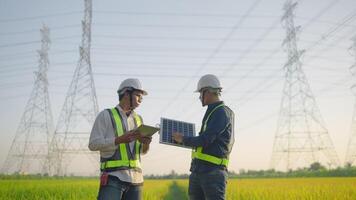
(123, 149)
(198, 152)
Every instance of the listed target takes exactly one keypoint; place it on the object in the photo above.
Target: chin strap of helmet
(202, 98)
(130, 92)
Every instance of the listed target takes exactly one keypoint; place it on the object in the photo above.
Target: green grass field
(259, 189)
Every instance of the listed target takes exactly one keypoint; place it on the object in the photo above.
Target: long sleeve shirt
(102, 138)
(217, 139)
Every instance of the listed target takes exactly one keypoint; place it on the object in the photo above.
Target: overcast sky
(168, 45)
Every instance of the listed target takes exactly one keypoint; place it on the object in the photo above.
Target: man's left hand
(145, 139)
(178, 137)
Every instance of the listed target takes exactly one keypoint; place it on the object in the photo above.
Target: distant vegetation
(315, 170)
(40, 176)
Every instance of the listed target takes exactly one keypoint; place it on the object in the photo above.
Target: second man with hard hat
(120, 146)
(211, 149)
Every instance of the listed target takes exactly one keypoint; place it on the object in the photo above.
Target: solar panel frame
(168, 126)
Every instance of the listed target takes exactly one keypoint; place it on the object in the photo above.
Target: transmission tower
(351, 149)
(70, 153)
(301, 137)
(29, 150)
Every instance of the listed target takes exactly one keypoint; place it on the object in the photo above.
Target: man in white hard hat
(211, 149)
(120, 146)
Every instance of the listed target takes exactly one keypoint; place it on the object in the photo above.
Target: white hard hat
(131, 83)
(208, 81)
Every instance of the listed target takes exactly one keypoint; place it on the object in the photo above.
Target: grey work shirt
(102, 138)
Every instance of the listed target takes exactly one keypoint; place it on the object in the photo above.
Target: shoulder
(139, 116)
(218, 114)
(228, 110)
(229, 113)
(224, 112)
(104, 114)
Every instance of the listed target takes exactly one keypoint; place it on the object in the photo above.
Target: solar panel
(169, 126)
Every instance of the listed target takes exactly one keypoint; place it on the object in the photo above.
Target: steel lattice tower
(351, 149)
(301, 137)
(29, 150)
(70, 153)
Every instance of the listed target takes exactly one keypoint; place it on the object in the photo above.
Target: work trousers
(208, 186)
(118, 190)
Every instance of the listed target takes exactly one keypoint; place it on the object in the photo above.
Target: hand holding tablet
(146, 130)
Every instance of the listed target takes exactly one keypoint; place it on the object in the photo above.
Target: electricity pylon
(351, 148)
(301, 137)
(29, 150)
(70, 153)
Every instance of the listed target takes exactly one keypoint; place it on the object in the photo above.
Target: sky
(169, 45)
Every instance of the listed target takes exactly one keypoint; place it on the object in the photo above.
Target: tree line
(314, 170)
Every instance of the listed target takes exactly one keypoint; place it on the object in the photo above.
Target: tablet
(146, 130)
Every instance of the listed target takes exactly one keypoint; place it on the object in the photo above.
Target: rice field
(293, 189)
(244, 189)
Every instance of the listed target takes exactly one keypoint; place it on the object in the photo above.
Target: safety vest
(198, 152)
(123, 157)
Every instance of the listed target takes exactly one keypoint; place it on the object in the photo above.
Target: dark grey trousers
(118, 190)
(208, 186)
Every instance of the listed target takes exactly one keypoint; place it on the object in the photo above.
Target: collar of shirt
(208, 110)
(128, 120)
(213, 105)
(123, 112)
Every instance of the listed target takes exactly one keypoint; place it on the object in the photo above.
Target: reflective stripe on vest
(206, 157)
(125, 161)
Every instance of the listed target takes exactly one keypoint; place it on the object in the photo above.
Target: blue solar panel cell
(169, 126)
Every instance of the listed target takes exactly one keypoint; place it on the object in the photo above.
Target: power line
(323, 91)
(314, 44)
(28, 54)
(319, 14)
(278, 49)
(36, 41)
(14, 33)
(180, 26)
(177, 38)
(212, 54)
(39, 17)
(333, 30)
(175, 14)
(325, 22)
(248, 51)
(29, 149)
(301, 137)
(5, 67)
(80, 106)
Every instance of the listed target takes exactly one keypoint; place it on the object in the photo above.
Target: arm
(127, 137)
(102, 137)
(215, 126)
(145, 148)
(145, 142)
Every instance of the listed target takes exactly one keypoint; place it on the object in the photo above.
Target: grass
(177, 191)
(48, 189)
(292, 189)
(244, 189)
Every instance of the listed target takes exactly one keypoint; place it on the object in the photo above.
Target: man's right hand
(127, 137)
